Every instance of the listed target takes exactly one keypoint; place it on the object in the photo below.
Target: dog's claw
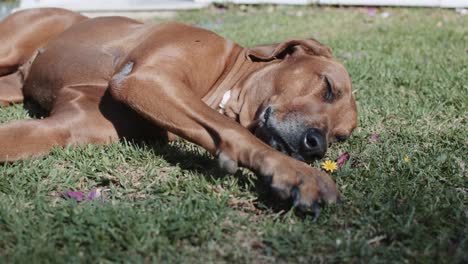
(317, 209)
(340, 200)
(295, 195)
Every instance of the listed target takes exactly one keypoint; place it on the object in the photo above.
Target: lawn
(171, 204)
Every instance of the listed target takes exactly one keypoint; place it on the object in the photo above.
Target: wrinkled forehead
(312, 68)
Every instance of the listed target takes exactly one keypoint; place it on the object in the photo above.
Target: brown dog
(178, 79)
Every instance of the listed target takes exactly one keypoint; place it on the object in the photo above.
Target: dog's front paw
(307, 187)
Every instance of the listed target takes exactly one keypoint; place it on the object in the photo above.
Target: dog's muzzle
(291, 136)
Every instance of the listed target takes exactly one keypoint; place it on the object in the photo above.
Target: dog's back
(85, 53)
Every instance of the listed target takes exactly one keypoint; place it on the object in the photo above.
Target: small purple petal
(371, 11)
(374, 138)
(95, 193)
(342, 159)
(221, 9)
(75, 195)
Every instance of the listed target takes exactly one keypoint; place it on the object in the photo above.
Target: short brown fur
(106, 78)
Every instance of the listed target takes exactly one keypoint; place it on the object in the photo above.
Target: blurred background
(112, 6)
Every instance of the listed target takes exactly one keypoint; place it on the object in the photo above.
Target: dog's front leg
(164, 98)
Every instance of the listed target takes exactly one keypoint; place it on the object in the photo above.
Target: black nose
(315, 144)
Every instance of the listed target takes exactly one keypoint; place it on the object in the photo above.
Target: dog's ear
(281, 50)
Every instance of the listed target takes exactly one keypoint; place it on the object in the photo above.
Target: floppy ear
(280, 50)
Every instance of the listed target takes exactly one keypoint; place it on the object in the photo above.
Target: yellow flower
(329, 166)
(406, 159)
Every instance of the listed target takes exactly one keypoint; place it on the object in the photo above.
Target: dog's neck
(228, 96)
(235, 67)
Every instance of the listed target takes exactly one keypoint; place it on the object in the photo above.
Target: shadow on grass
(192, 158)
(187, 156)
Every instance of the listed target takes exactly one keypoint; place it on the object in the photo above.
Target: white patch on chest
(222, 104)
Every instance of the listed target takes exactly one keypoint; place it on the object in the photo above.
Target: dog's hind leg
(75, 119)
(24, 32)
(10, 89)
(11, 86)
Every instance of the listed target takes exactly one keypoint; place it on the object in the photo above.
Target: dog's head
(303, 99)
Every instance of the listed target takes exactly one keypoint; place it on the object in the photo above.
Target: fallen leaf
(374, 138)
(461, 11)
(80, 196)
(371, 11)
(95, 193)
(75, 195)
(385, 14)
(342, 159)
(376, 240)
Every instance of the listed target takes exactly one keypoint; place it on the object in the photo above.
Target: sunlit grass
(171, 203)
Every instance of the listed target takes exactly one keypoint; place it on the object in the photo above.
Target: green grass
(171, 203)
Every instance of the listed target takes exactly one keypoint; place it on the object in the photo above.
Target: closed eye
(329, 96)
